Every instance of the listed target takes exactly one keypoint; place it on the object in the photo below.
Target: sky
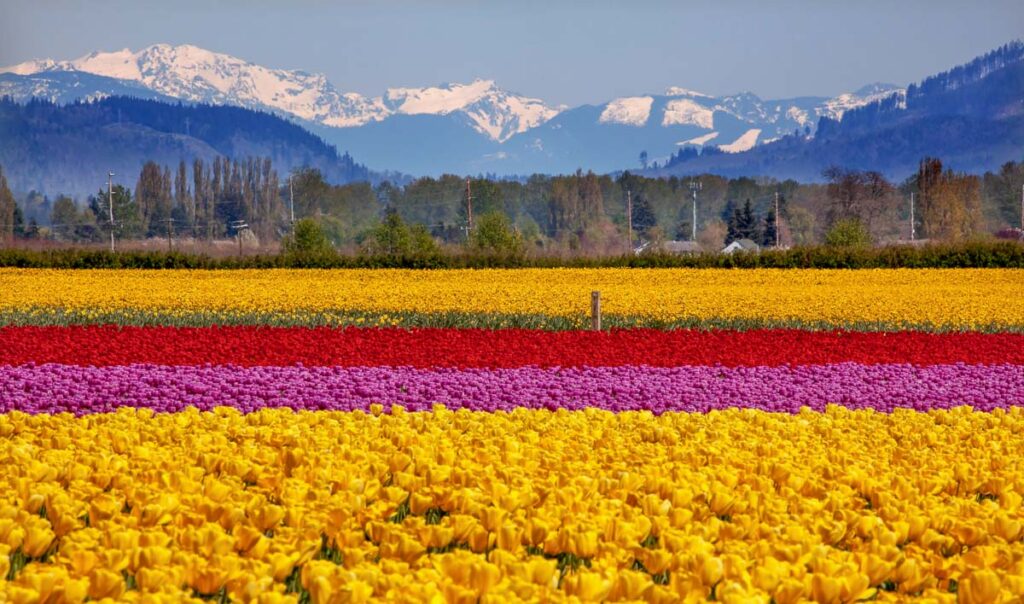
(571, 52)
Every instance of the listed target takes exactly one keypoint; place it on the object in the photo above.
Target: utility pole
(110, 204)
(469, 208)
(239, 226)
(629, 220)
(170, 245)
(776, 220)
(695, 185)
(291, 200)
(912, 232)
(1022, 208)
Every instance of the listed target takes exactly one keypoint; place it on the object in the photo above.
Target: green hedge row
(1003, 254)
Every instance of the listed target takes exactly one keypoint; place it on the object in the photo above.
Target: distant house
(1010, 233)
(913, 242)
(682, 247)
(669, 247)
(741, 245)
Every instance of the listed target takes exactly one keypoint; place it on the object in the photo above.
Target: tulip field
(322, 436)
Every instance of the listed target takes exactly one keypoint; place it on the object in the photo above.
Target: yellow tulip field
(839, 436)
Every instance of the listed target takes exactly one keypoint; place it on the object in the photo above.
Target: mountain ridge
(507, 123)
(480, 128)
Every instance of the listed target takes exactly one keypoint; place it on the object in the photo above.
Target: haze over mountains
(479, 127)
(473, 127)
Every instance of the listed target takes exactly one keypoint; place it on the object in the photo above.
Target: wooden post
(595, 311)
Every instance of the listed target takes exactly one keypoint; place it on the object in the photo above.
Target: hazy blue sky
(563, 52)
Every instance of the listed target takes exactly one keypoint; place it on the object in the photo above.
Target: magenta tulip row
(53, 388)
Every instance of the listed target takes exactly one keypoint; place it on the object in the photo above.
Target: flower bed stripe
(67, 388)
(253, 346)
(958, 298)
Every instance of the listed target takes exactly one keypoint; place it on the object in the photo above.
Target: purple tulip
(65, 388)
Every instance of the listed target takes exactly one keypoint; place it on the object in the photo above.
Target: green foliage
(391, 237)
(307, 241)
(643, 218)
(393, 241)
(848, 233)
(495, 236)
(742, 224)
(973, 254)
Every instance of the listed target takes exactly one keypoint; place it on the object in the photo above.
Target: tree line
(579, 214)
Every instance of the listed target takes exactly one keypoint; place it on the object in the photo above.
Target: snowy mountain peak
(441, 100)
(490, 110)
(195, 74)
(680, 91)
(30, 67)
(629, 111)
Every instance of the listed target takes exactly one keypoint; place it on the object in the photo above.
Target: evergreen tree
(182, 197)
(643, 217)
(19, 222)
(728, 210)
(8, 209)
(127, 221)
(32, 231)
(743, 224)
(768, 234)
(732, 232)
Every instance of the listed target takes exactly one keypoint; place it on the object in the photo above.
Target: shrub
(494, 236)
(848, 233)
(425, 254)
(307, 240)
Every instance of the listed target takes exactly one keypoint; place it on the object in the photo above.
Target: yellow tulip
(207, 579)
(320, 589)
(536, 531)
(480, 540)
(37, 540)
(419, 503)
(510, 537)
(981, 587)
(1008, 529)
(584, 544)
(483, 576)
(11, 533)
(588, 586)
(656, 561)
(491, 518)
(631, 585)
(105, 583)
(709, 569)
(282, 564)
(81, 562)
(438, 536)
(266, 517)
(825, 590)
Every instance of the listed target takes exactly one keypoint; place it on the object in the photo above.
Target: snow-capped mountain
(194, 74)
(764, 120)
(611, 136)
(474, 127)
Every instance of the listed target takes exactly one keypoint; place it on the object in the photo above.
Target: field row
(735, 506)
(80, 390)
(950, 299)
(426, 348)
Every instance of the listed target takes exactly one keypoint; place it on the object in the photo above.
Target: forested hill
(70, 148)
(972, 116)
